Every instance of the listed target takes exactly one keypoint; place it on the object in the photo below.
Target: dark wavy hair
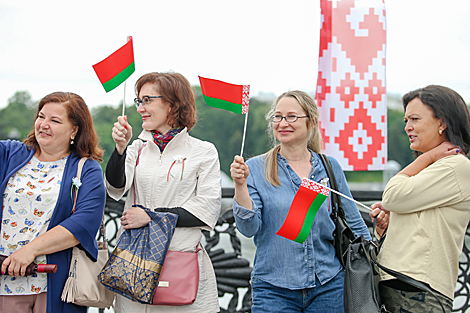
(176, 91)
(86, 140)
(449, 106)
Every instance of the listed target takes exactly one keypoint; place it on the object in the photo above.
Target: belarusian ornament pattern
(245, 98)
(351, 92)
(314, 186)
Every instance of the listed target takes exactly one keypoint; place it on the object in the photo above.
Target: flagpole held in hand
(244, 133)
(124, 100)
(349, 198)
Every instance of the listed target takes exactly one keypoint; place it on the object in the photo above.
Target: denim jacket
(280, 261)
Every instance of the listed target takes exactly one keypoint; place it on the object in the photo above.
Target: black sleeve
(116, 169)
(185, 218)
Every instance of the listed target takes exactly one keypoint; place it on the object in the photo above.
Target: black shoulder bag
(358, 257)
(343, 235)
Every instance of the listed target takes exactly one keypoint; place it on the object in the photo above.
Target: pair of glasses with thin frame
(145, 100)
(289, 118)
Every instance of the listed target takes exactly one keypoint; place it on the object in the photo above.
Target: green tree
(18, 116)
(398, 142)
(104, 118)
(225, 129)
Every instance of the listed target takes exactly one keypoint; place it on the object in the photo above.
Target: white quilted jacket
(161, 180)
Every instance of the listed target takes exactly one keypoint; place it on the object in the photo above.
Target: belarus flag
(116, 68)
(222, 95)
(303, 210)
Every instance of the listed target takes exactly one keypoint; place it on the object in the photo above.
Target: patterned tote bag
(134, 267)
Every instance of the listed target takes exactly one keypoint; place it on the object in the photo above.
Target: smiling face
(155, 114)
(291, 133)
(53, 130)
(422, 127)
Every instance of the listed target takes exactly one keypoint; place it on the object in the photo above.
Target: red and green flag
(116, 68)
(303, 210)
(222, 95)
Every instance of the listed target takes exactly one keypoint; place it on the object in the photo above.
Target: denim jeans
(328, 298)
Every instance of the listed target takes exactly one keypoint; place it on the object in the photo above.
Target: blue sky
(272, 45)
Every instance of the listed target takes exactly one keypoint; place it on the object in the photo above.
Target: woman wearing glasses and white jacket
(288, 276)
(171, 172)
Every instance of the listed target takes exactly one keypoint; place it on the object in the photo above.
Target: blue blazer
(83, 224)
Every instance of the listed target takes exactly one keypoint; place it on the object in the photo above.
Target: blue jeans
(328, 298)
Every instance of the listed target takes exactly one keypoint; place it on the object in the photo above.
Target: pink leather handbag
(179, 279)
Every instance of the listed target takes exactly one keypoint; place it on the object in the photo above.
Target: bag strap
(335, 198)
(79, 176)
(337, 215)
(336, 201)
(404, 278)
(75, 188)
(80, 167)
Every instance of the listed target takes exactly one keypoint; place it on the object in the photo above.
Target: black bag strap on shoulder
(343, 235)
(335, 198)
(405, 278)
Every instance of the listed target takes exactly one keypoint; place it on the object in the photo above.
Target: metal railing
(233, 271)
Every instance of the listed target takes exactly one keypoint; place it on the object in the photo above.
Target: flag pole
(339, 193)
(244, 133)
(124, 99)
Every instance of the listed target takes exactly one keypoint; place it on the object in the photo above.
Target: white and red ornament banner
(351, 91)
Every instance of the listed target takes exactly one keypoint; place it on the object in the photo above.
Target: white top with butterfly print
(29, 201)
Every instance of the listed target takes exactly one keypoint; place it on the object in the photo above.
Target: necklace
(295, 160)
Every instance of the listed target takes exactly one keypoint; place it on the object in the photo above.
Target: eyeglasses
(288, 118)
(145, 100)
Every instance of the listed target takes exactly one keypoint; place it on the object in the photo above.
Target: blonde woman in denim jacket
(289, 276)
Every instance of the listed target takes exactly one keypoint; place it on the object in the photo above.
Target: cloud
(271, 45)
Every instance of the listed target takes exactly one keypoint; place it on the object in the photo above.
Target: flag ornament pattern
(302, 212)
(351, 89)
(117, 67)
(222, 95)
